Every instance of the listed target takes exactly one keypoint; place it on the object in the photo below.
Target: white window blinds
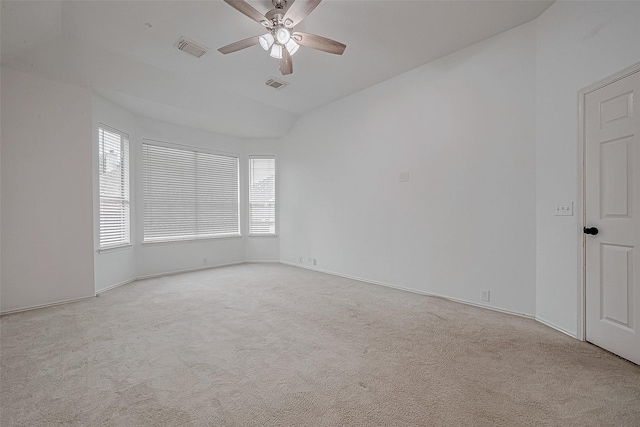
(188, 194)
(113, 153)
(262, 196)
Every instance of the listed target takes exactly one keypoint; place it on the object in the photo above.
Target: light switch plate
(564, 209)
(404, 177)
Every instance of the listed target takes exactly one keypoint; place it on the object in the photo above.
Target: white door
(612, 206)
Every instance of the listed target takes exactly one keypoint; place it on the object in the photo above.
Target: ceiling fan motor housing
(275, 16)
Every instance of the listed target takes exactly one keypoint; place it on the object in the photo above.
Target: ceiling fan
(281, 39)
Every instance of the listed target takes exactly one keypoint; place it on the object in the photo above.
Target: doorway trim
(582, 261)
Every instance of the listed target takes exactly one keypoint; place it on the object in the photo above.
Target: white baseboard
(171, 273)
(415, 291)
(53, 304)
(537, 319)
(153, 276)
(372, 282)
(188, 270)
(117, 285)
(557, 328)
(262, 261)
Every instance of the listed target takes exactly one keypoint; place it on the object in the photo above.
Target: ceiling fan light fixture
(276, 51)
(282, 41)
(283, 35)
(292, 46)
(266, 41)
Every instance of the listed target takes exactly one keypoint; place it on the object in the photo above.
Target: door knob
(590, 230)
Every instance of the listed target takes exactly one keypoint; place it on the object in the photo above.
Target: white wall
(47, 211)
(578, 43)
(158, 258)
(116, 266)
(464, 129)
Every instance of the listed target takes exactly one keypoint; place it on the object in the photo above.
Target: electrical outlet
(315, 262)
(404, 176)
(301, 261)
(485, 295)
(204, 261)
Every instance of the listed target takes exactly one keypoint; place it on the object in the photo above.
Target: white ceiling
(124, 50)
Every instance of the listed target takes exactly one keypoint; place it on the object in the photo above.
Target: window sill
(191, 239)
(114, 248)
(260, 236)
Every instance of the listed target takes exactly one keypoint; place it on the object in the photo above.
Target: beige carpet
(272, 345)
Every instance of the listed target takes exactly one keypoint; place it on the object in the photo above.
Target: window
(262, 196)
(113, 156)
(188, 194)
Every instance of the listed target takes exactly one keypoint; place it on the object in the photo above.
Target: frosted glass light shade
(292, 47)
(266, 41)
(283, 36)
(276, 51)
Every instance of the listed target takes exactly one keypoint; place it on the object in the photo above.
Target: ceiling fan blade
(320, 43)
(248, 10)
(298, 11)
(239, 45)
(286, 64)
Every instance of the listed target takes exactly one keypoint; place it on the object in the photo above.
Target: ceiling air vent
(275, 83)
(190, 47)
